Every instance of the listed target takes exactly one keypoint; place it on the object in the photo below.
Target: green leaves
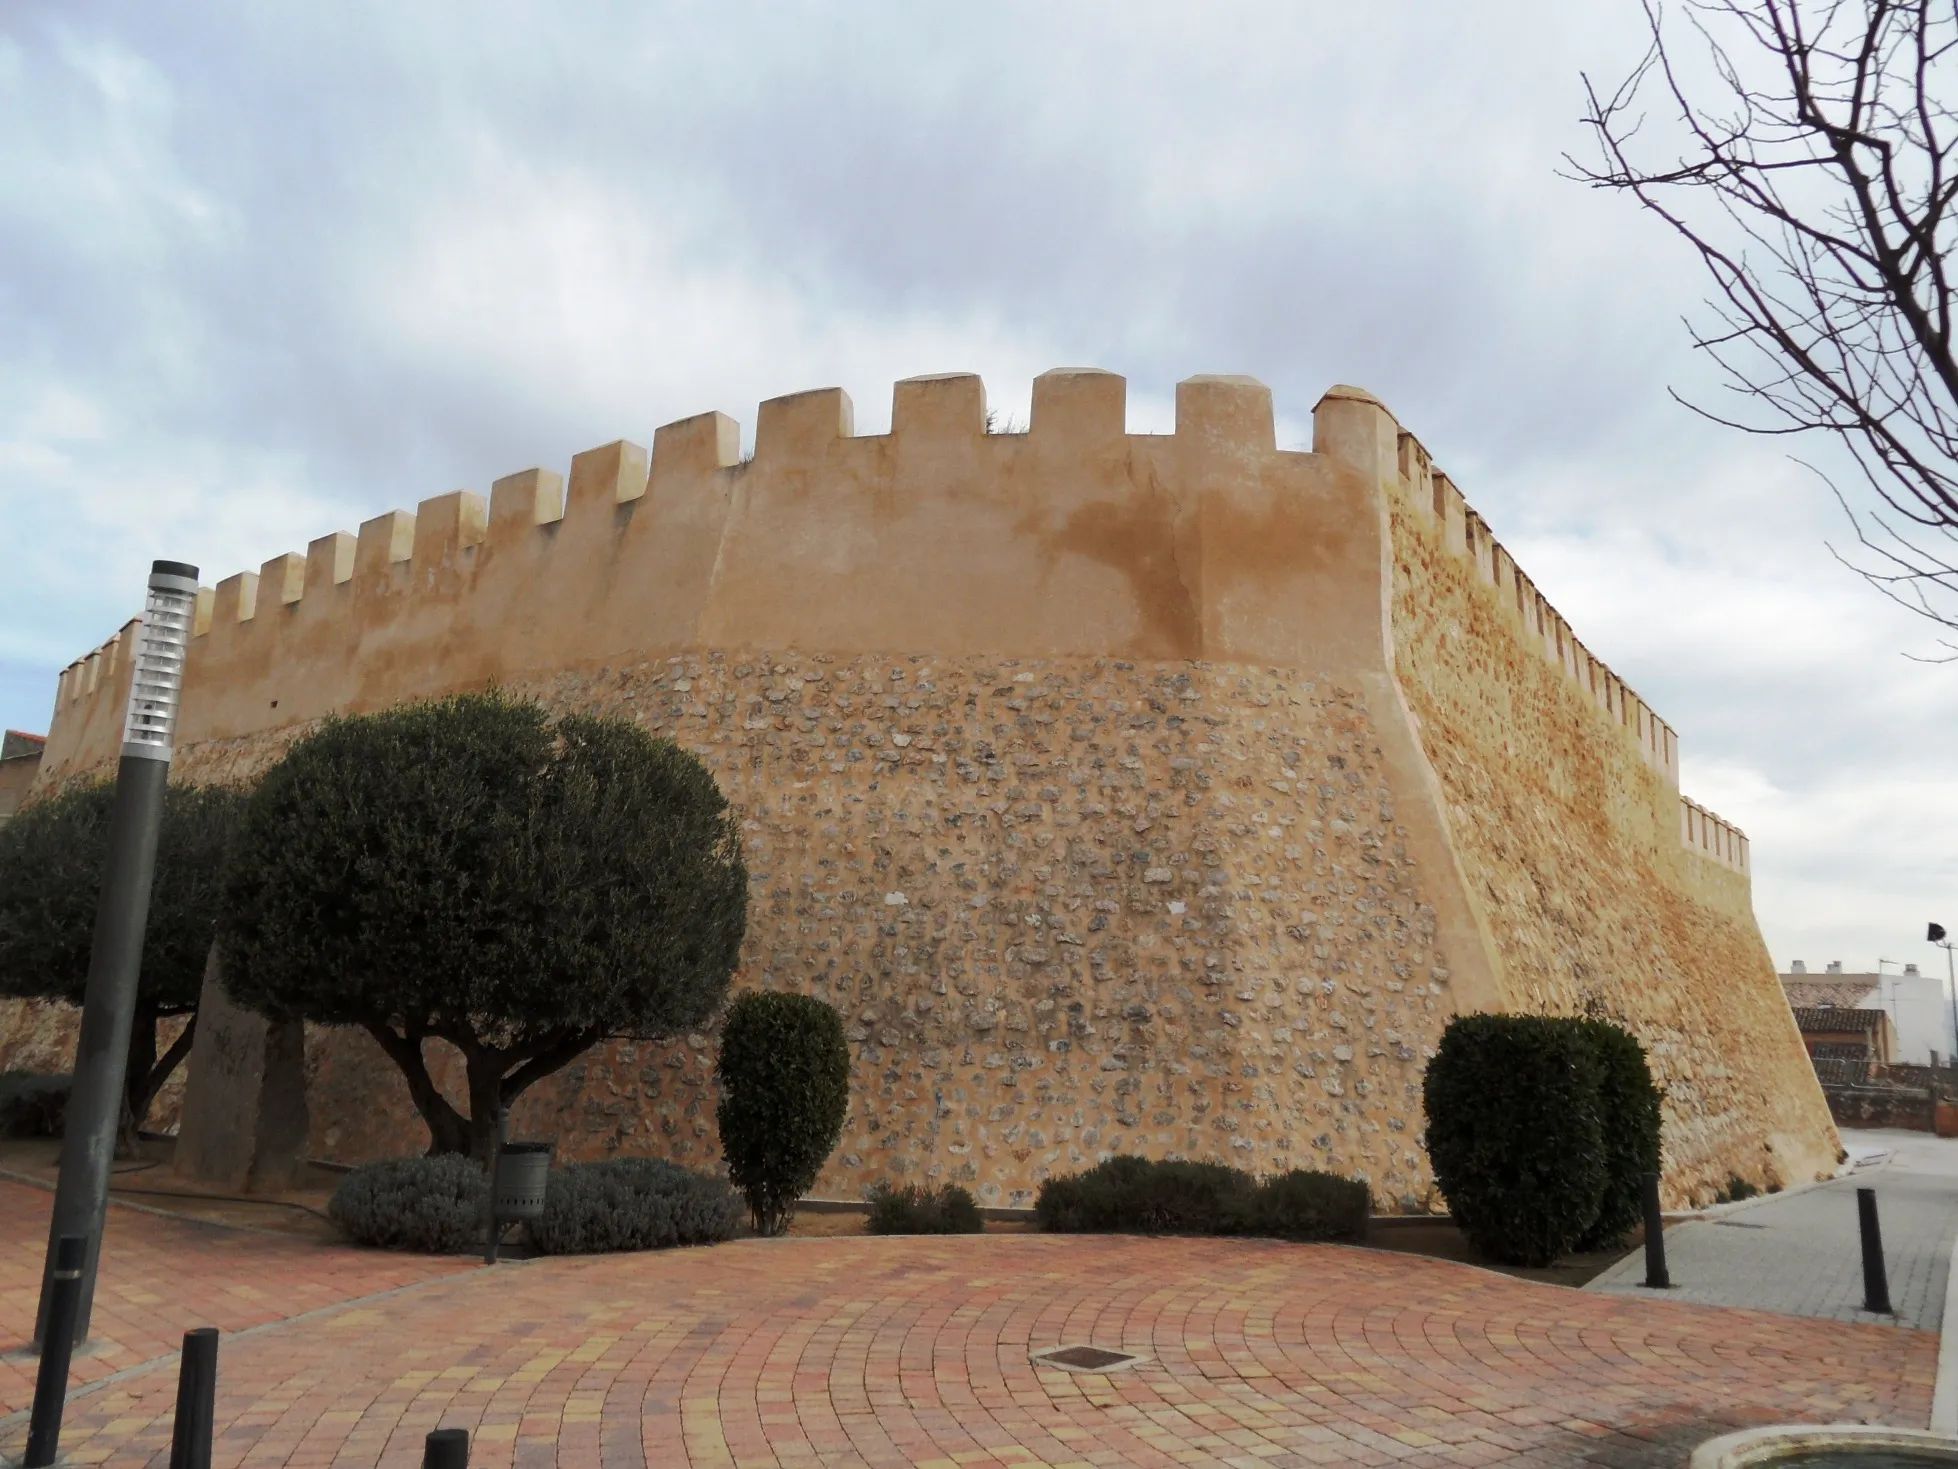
(473, 869)
(784, 1073)
(1539, 1129)
(51, 858)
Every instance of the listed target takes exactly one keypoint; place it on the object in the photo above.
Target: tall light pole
(1934, 933)
(81, 1197)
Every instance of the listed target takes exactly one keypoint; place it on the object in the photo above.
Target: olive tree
(51, 857)
(476, 871)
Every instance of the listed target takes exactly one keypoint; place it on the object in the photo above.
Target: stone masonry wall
(1066, 907)
(1570, 850)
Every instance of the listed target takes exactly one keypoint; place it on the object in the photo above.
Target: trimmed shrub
(433, 1205)
(632, 1204)
(1515, 1135)
(916, 1209)
(1629, 1113)
(32, 1104)
(1126, 1193)
(1140, 1195)
(784, 1073)
(1307, 1205)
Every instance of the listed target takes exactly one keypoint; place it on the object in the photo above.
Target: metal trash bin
(521, 1172)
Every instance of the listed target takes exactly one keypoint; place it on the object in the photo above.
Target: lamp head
(150, 724)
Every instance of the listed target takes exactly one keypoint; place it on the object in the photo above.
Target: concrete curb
(1944, 1397)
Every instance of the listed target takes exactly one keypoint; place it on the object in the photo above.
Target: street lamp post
(81, 1197)
(1934, 933)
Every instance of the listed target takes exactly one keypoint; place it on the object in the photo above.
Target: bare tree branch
(1815, 179)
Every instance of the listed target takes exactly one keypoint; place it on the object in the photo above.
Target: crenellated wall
(1127, 792)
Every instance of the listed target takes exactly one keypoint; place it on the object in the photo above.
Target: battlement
(1073, 538)
(1275, 755)
(1434, 498)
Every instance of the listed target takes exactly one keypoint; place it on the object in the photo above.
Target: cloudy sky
(267, 270)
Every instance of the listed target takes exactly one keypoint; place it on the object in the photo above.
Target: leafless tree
(1808, 158)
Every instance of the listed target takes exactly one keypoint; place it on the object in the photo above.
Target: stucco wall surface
(1077, 767)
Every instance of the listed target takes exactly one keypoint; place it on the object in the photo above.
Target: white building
(1919, 1006)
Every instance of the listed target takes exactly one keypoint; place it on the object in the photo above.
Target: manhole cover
(1086, 1359)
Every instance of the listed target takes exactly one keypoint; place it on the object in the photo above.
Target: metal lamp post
(81, 1197)
(1934, 933)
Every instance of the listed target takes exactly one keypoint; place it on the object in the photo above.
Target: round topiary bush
(632, 1204)
(917, 1209)
(1515, 1133)
(433, 1205)
(1631, 1116)
(784, 1073)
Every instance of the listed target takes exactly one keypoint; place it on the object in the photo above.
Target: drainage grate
(1086, 1359)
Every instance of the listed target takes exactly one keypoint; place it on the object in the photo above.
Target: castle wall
(1602, 889)
(1125, 792)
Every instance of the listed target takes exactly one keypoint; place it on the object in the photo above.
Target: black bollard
(57, 1347)
(1876, 1280)
(446, 1448)
(197, 1391)
(1655, 1238)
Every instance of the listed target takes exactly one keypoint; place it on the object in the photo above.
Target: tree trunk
(448, 1129)
(142, 1086)
(135, 1077)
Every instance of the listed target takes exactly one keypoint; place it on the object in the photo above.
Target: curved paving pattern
(915, 1352)
(164, 1275)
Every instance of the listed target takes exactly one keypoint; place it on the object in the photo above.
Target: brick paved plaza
(914, 1351)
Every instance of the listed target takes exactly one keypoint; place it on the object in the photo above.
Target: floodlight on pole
(81, 1197)
(1934, 933)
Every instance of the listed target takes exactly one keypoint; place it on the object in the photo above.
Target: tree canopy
(474, 870)
(51, 857)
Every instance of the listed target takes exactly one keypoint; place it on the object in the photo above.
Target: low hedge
(1307, 1205)
(33, 1103)
(1140, 1195)
(632, 1204)
(915, 1209)
(433, 1205)
(1539, 1130)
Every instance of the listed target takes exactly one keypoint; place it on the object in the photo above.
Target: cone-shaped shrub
(1515, 1133)
(784, 1074)
(1629, 1113)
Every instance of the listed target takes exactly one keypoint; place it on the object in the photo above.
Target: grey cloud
(265, 269)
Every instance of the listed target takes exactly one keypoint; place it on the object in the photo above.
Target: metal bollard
(1656, 1277)
(57, 1348)
(1876, 1280)
(197, 1391)
(446, 1448)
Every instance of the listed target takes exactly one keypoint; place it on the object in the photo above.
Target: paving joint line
(45, 1187)
(12, 1420)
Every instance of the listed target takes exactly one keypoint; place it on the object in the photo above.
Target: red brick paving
(161, 1276)
(855, 1351)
